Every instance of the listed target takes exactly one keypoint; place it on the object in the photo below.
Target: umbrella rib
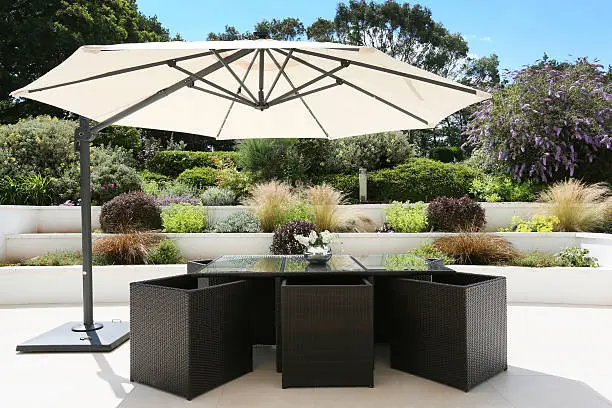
(229, 109)
(278, 75)
(220, 95)
(212, 84)
(122, 71)
(306, 84)
(261, 78)
(289, 98)
(391, 71)
(301, 99)
(231, 71)
(162, 93)
(358, 88)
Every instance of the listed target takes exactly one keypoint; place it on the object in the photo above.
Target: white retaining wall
(62, 284)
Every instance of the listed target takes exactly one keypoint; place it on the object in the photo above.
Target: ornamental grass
(325, 202)
(469, 248)
(125, 249)
(269, 200)
(577, 205)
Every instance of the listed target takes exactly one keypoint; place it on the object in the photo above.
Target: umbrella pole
(84, 138)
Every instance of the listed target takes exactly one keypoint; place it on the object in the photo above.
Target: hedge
(199, 177)
(418, 179)
(174, 162)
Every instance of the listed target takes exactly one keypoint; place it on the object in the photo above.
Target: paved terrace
(559, 357)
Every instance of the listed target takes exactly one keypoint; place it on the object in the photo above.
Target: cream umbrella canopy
(249, 89)
(230, 90)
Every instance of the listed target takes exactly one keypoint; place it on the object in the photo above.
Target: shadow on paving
(517, 387)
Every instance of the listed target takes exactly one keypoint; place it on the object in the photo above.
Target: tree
(44, 33)
(407, 33)
(230, 34)
(553, 121)
(288, 29)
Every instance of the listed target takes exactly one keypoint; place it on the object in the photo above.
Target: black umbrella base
(65, 339)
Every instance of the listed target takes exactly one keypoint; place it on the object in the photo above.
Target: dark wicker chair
(327, 332)
(188, 337)
(451, 330)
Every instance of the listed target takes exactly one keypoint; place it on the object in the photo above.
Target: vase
(318, 255)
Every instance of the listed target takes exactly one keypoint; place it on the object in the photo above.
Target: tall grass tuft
(269, 201)
(470, 248)
(125, 249)
(325, 202)
(577, 205)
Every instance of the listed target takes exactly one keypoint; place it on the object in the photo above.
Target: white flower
(317, 250)
(327, 237)
(313, 237)
(302, 240)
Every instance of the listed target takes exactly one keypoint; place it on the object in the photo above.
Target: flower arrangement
(316, 243)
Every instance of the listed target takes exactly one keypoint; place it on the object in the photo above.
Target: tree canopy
(44, 33)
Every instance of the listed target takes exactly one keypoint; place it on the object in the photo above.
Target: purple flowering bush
(551, 122)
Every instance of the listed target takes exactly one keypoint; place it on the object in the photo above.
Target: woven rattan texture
(188, 341)
(327, 335)
(453, 333)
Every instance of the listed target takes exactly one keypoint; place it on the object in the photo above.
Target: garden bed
(211, 245)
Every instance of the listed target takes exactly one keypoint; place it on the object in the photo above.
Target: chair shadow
(520, 387)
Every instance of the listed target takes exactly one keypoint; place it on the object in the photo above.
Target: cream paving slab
(559, 357)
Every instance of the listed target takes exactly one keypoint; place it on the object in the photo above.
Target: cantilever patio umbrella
(230, 90)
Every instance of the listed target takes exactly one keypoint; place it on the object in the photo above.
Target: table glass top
(392, 262)
(245, 263)
(288, 264)
(338, 263)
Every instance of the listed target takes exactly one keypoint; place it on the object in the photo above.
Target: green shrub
(42, 145)
(419, 180)
(199, 177)
(218, 196)
(539, 223)
(283, 242)
(576, 257)
(113, 173)
(148, 175)
(455, 214)
(501, 188)
(348, 184)
(164, 253)
(535, 259)
(428, 250)
(126, 137)
(174, 162)
(407, 217)
(447, 154)
(238, 222)
(130, 212)
(296, 210)
(183, 218)
(56, 258)
(372, 152)
(238, 181)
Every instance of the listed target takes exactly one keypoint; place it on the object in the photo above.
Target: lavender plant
(551, 122)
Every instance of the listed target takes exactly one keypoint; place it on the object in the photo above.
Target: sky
(518, 31)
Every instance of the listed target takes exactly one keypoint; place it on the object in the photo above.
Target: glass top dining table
(295, 265)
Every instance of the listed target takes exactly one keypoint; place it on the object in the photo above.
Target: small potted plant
(317, 250)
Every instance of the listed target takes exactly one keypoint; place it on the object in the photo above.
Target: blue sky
(519, 31)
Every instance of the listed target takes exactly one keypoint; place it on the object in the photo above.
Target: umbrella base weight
(65, 339)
